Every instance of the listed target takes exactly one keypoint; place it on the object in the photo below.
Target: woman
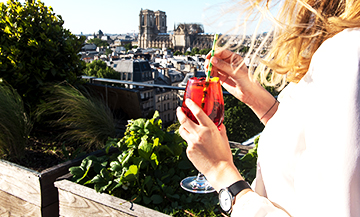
(309, 151)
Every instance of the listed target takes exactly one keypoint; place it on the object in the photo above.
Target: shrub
(240, 121)
(148, 168)
(15, 125)
(35, 49)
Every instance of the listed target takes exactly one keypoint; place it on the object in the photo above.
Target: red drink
(208, 96)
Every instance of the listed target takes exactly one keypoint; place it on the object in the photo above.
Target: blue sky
(122, 16)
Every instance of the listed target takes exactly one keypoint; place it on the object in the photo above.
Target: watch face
(225, 200)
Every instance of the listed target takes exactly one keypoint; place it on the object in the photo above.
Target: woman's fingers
(199, 114)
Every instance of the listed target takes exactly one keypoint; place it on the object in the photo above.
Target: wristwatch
(227, 195)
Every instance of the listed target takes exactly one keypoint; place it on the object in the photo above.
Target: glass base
(197, 184)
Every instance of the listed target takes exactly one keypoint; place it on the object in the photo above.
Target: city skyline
(120, 17)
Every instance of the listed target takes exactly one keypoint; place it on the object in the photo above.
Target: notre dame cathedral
(153, 33)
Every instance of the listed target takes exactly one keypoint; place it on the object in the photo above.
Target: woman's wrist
(261, 102)
(223, 176)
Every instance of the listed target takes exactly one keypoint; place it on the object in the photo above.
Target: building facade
(153, 33)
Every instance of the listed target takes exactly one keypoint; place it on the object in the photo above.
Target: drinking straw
(212, 54)
(209, 72)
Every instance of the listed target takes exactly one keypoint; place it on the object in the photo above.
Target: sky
(122, 16)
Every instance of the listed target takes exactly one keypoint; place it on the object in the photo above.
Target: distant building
(137, 71)
(153, 33)
(152, 29)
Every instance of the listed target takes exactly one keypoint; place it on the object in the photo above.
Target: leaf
(97, 179)
(105, 174)
(148, 183)
(184, 165)
(154, 159)
(175, 196)
(137, 124)
(115, 166)
(157, 199)
(147, 200)
(145, 148)
(115, 186)
(77, 171)
(127, 157)
(156, 115)
(131, 173)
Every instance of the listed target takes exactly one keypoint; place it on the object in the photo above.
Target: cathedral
(153, 33)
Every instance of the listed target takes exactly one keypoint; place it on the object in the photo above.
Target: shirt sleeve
(253, 205)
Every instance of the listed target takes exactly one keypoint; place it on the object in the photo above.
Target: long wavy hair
(300, 27)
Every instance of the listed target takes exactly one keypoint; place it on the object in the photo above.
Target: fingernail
(214, 60)
(188, 102)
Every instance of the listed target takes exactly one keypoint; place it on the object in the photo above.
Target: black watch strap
(238, 186)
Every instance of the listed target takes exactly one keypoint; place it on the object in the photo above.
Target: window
(168, 117)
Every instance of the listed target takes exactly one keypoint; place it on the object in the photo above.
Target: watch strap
(238, 186)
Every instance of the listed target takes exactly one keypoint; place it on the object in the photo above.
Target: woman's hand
(234, 77)
(233, 73)
(208, 147)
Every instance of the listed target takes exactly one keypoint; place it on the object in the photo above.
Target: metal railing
(245, 148)
(115, 81)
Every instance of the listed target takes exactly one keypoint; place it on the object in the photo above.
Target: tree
(128, 46)
(35, 49)
(240, 121)
(187, 53)
(195, 50)
(108, 51)
(177, 53)
(99, 69)
(98, 42)
(205, 51)
(244, 49)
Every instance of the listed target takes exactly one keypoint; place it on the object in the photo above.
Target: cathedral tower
(150, 25)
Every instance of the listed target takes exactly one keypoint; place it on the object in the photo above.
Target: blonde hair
(300, 28)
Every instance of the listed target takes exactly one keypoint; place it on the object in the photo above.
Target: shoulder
(342, 45)
(337, 55)
(344, 38)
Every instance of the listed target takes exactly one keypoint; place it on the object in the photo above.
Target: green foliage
(174, 127)
(240, 121)
(79, 117)
(247, 163)
(205, 51)
(178, 53)
(99, 69)
(98, 42)
(244, 49)
(15, 125)
(35, 49)
(128, 46)
(195, 50)
(147, 170)
(108, 51)
(188, 53)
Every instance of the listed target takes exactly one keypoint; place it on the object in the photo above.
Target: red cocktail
(207, 95)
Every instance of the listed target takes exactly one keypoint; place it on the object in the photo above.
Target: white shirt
(309, 151)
